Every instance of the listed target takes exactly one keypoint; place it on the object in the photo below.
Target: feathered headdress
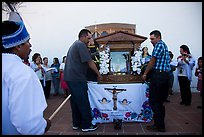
(18, 37)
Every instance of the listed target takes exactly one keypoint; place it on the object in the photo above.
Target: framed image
(120, 62)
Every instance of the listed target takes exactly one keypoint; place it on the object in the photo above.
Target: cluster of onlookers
(185, 65)
(49, 74)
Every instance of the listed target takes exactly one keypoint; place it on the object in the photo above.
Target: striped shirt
(161, 53)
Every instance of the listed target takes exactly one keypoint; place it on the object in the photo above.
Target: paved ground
(180, 120)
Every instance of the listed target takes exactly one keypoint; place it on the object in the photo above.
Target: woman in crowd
(55, 75)
(36, 65)
(64, 85)
(184, 71)
(48, 78)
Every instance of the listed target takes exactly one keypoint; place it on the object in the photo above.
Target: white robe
(23, 100)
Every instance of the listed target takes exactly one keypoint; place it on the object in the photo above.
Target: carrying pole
(57, 110)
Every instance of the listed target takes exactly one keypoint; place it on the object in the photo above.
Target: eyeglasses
(152, 38)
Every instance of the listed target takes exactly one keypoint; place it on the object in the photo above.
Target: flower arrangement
(104, 60)
(104, 55)
(136, 62)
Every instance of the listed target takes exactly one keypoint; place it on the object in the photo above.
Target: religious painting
(119, 63)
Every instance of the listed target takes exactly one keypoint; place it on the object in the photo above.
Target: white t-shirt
(23, 100)
(182, 69)
(62, 66)
(185, 69)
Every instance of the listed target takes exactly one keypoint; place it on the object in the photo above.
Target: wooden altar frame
(121, 41)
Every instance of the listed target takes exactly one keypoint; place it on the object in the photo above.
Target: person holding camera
(184, 72)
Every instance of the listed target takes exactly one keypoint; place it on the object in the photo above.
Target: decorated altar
(120, 93)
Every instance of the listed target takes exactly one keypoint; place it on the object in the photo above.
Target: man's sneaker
(75, 128)
(91, 128)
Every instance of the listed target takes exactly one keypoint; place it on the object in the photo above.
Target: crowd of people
(160, 68)
(49, 77)
(22, 87)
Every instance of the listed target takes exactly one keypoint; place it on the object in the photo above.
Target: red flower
(128, 114)
(104, 115)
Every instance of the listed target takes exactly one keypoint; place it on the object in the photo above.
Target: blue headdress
(18, 37)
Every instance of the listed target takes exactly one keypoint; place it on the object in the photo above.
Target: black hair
(156, 33)
(185, 48)
(45, 58)
(41, 62)
(143, 51)
(171, 54)
(8, 27)
(200, 58)
(56, 60)
(63, 59)
(83, 32)
(35, 56)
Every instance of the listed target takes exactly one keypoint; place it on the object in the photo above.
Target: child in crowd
(199, 73)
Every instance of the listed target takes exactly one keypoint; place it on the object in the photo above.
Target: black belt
(160, 71)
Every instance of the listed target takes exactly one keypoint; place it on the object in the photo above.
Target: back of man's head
(83, 32)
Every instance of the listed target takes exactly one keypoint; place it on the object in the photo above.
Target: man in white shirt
(23, 100)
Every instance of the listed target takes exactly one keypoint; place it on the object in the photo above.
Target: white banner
(129, 103)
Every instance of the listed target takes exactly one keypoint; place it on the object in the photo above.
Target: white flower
(136, 61)
(138, 71)
(143, 60)
(134, 67)
(104, 60)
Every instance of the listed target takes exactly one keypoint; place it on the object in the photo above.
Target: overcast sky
(54, 26)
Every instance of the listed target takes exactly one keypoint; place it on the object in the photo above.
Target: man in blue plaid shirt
(159, 65)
